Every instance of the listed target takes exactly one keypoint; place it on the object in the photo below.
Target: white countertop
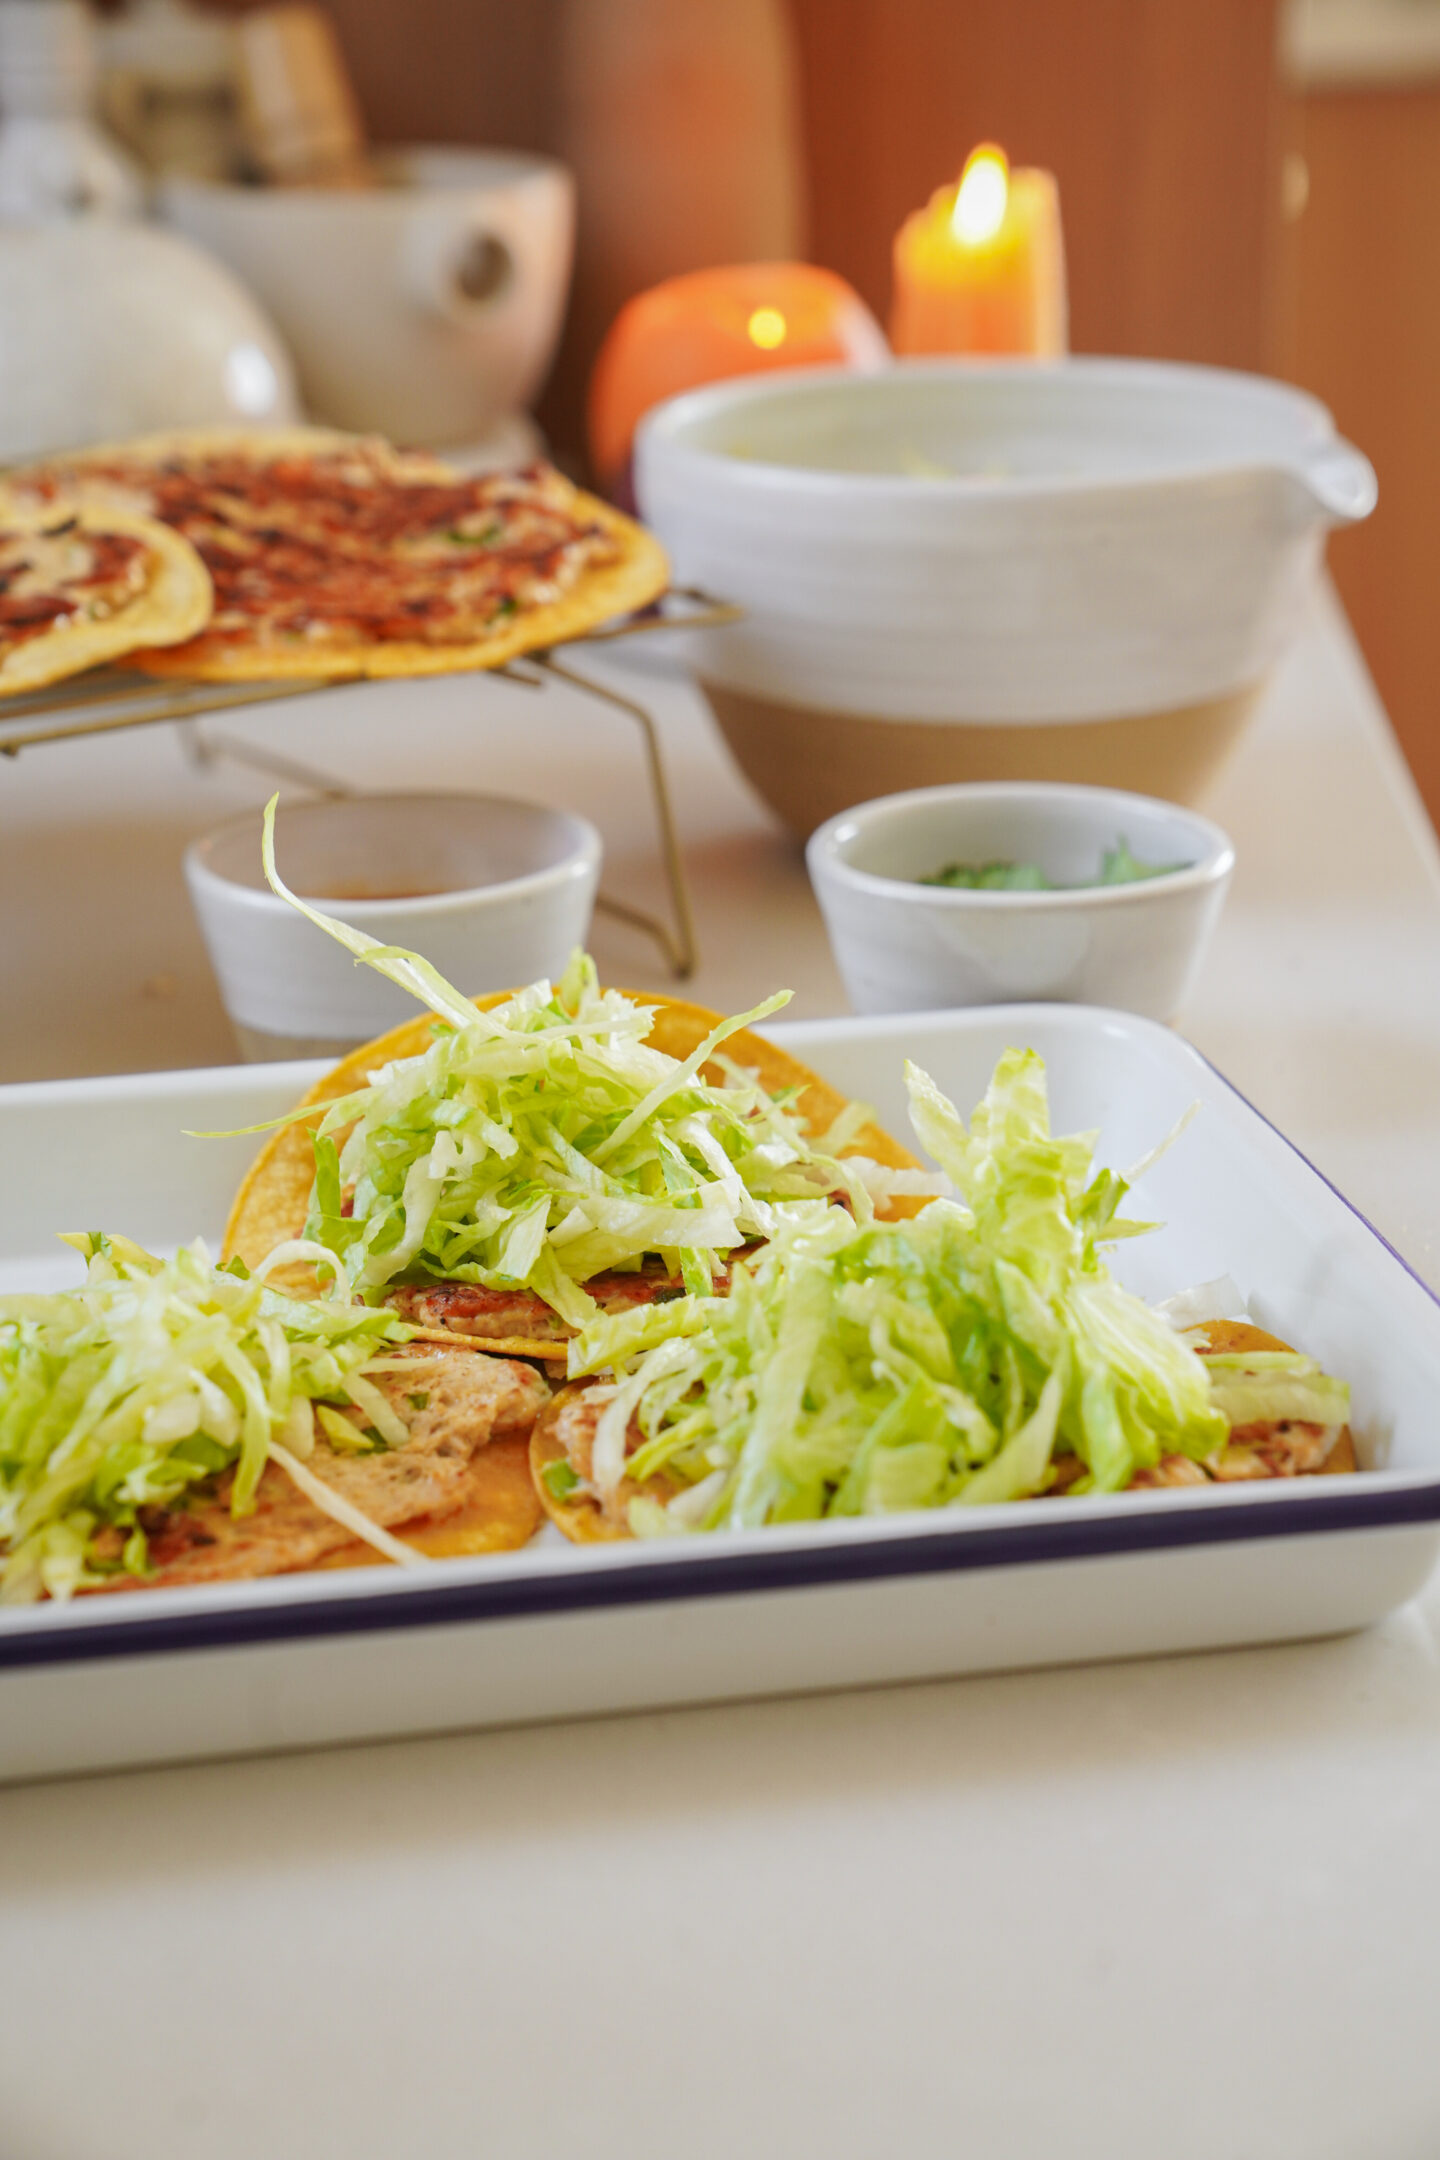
(1184, 1908)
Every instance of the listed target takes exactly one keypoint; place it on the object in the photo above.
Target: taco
(546, 1155)
(169, 1424)
(1267, 1445)
(978, 1353)
(537, 1315)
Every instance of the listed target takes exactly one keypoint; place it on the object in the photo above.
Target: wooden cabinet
(1162, 119)
(1362, 331)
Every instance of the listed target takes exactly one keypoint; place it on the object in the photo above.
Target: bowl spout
(1337, 482)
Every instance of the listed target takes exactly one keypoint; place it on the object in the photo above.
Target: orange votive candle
(709, 324)
(981, 269)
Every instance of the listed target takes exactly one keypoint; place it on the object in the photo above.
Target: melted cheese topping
(51, 579)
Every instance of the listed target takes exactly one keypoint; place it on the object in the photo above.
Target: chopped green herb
(1117, 867)
(991, 877)
(560, 1480)
(208, 1455)
(420, 1401)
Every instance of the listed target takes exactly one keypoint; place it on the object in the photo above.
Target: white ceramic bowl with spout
(426, 308)
(959, 570)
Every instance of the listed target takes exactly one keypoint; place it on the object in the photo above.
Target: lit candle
(981, 269)
(713, 323)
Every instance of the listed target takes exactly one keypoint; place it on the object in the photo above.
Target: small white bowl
(906, 947)
(494, 892)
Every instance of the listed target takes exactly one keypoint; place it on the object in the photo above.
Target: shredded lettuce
(1255, 1387)
(151, 1376)
(545, 1141)
(857, 1367)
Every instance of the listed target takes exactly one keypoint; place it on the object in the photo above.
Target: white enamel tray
(555, 1631)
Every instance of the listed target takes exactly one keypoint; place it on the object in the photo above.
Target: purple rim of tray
(721, 1574)
(1315, 1171)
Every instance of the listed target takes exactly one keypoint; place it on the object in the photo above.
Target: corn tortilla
(579, 1516)
(502, 1512)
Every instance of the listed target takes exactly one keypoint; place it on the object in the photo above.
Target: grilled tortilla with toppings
(979, 1352)
(336, 555)
(554, 1153)
(169, 1424)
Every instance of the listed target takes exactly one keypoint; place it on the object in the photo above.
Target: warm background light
(981, 196)
(767, 328)
(981, 269)
(711, 323)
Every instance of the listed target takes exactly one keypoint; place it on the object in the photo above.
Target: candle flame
(981, 197)
(767, 328)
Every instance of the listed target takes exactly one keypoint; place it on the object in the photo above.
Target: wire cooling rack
(110, 700)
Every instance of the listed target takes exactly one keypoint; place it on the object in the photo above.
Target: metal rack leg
(140, 705)
(678, 944)
(206, 749)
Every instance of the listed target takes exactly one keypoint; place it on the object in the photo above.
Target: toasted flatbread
(157, 592)
(272, 1203)
(621, 566)
(640, 576)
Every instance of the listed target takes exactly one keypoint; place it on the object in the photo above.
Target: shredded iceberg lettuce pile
(545, 1141)
(152, 1375)
(858, 1368)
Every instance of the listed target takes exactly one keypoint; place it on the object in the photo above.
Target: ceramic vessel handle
(455, 264)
